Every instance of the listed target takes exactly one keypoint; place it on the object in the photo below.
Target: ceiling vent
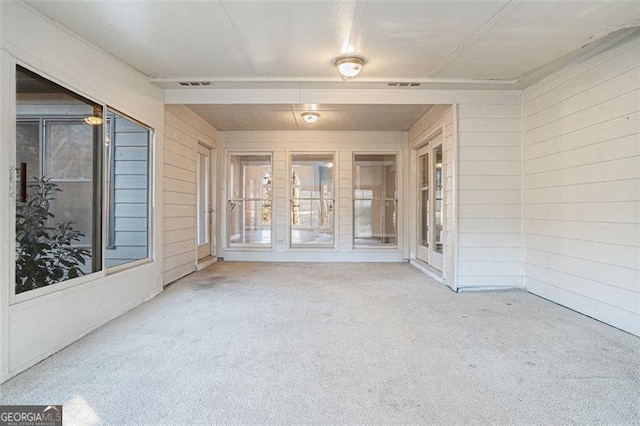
(404, 84)
(196, 83)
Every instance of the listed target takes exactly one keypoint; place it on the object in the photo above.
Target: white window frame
(108, 194)
(398, 198)
(336, 197)
(15, 299)
(227, 217)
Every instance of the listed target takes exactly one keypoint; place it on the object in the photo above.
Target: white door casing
(430, 214)
(205, 233)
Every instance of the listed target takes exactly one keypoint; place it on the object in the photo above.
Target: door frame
(211, 257)
(437, 273)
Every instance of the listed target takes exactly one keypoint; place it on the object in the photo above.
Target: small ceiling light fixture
(310, 117)
(93, 121)
(349, 66)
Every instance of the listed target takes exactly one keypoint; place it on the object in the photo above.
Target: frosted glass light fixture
(310, 117)
(349, 66)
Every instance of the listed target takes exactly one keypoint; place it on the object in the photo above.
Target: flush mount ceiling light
(310, 117)
(349, 66)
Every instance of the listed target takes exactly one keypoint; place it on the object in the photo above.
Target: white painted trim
(54, 288)
(476, 289)
(295, 80)
(314, 256)
(438, 131)
(7, 205)
(523, 205)
(454, 203)
(128, 265)
(343, 96)
(206, 262)
(427, 270)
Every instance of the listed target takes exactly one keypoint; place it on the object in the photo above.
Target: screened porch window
(249, 200)
(375, 200)
(312, 200)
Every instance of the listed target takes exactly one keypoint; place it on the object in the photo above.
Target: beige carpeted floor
(339, 343)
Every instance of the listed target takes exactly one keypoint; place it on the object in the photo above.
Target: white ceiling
(332, 117)
(257, 44)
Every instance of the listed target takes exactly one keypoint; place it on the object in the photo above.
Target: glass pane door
(204, 202)
(249, 199)
(311, 183)
(438, 199)
(374, 200)
(430, 238)
(424, 210)
(424, 200)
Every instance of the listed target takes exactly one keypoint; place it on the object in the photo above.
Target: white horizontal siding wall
(489, 182)
(343, 144)
(582, 167)
(438, 117)
(183, 130)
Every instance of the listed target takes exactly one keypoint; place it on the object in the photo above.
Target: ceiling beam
(345, 96)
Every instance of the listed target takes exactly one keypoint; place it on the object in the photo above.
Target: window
(375, 200)
(59, 182)
(249, 200)
(312, 199)
(129, 192)
(59, 196)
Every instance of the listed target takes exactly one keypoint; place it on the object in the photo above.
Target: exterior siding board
(183, 131)
(582, 186)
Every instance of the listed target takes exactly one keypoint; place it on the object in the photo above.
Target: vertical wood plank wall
(183, 130)
(489, 183)
(439, 116)
(582, 166)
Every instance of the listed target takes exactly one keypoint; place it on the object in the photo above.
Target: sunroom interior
(135, 179)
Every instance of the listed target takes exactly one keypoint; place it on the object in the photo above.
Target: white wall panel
(183, 130)
(582, 180)
(610, 130)
(438, 117)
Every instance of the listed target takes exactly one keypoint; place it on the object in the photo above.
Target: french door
(431, 204)
(206, 211)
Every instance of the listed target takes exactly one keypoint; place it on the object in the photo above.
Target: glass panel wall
(312, 199)
(375, 200)
(424, 200)
(438, 234)
(129, 190)
(203, 196)
(249, 200)
(59, 182)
